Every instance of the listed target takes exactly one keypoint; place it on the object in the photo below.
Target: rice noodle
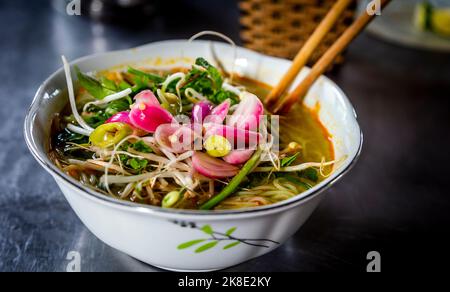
(276, 191)
(321, 170)
(299, 167)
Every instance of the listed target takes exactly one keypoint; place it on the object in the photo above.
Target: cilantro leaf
(137, 164)
(140, 146)
(117, 106)
(214, 74)
(222, 95)
(95, 118)
(208, 82)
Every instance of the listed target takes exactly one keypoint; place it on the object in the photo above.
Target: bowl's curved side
(189, 243)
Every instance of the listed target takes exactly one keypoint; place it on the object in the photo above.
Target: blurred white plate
(396, 25)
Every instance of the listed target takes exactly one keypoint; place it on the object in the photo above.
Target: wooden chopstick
(307, 50)
(319, 68)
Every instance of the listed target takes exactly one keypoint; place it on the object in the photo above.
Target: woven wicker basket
(281, 27)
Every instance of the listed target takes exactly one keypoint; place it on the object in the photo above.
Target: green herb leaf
(123, 158)
(222, 95)
(207, 229)
(208, 82)
(92, 85)
(214, 74)
(97, 116)
(95, 119)
(137, 164)
(233, 244)
(151, 77)
(310, 173)
(67, 136)
(140, 146)
(124, 85)
(62, 139)
(206, 246)
(199, 81)
(134, 163)
(117, 106)
(108, 84)
(143, 80)
(190, 243)
(230, 231)
(287, 161)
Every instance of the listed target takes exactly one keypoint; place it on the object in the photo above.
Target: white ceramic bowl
(154, 235)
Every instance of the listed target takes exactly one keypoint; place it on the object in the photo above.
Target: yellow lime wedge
(217, 146)
(440, 21)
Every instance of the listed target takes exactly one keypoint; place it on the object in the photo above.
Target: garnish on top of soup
(188, 138)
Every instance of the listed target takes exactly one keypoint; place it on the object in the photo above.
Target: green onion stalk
(232, 187)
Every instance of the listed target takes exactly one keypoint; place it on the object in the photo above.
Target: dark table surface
(395, 201)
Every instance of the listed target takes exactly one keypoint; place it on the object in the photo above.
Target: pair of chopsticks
(273, 100)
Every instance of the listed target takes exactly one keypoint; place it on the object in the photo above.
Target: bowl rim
(56, 172)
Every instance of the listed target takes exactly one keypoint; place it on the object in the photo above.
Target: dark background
(395, 200)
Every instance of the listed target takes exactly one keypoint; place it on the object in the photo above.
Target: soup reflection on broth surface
(121, 135)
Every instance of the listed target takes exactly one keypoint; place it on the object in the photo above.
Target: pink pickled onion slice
(149, 117)
(200, 111)
(175, 138)
(213, 167)
(124, 117)
(219, 113)
(147, 97)
(248, 113)
(238, 156)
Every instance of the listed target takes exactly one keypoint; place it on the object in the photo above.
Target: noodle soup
(120, 135)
